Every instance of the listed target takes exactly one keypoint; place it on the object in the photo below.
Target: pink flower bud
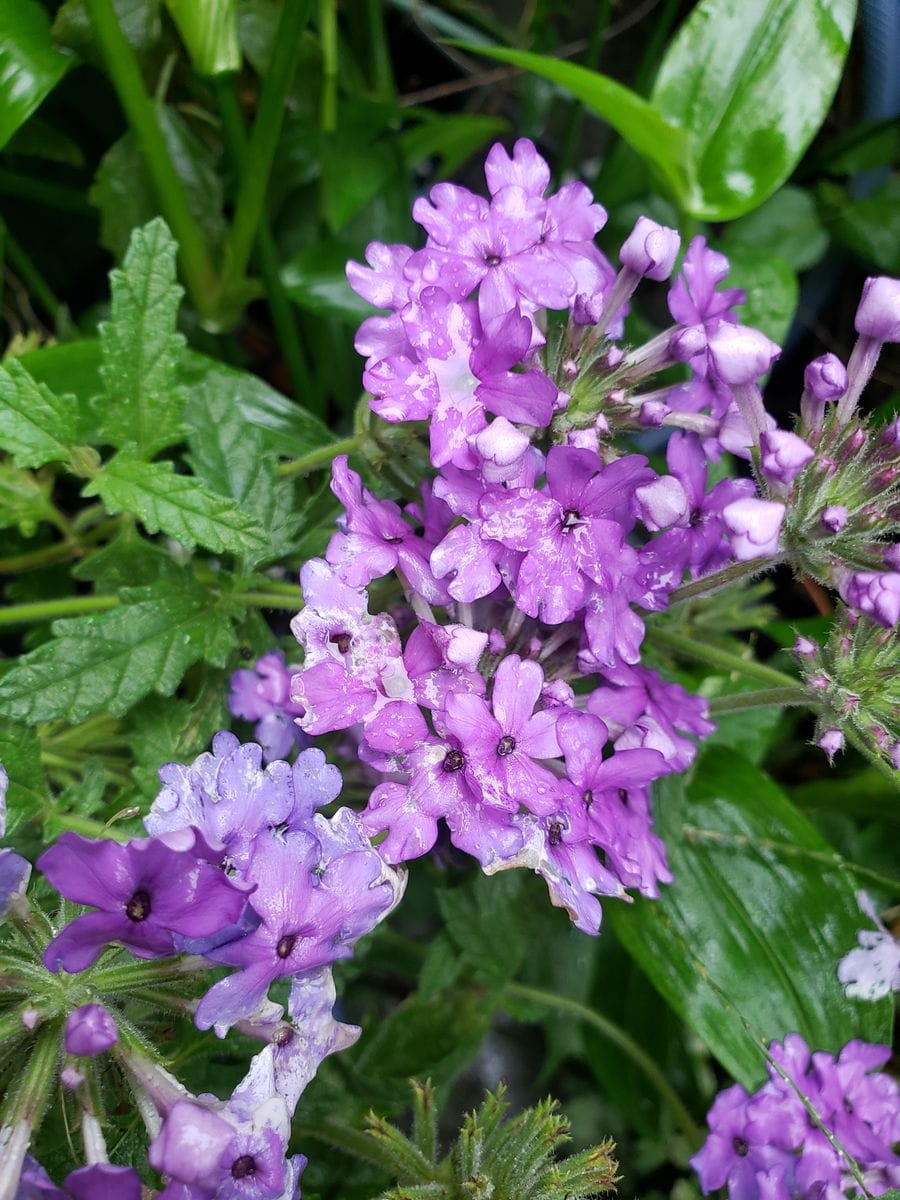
(687, 343)
(754, 526)
(875, 593)
(652, 413)
(71, 1078)
(831, 741)
(834, 517)
(825, 378)
(784, 455)
(650, 249)
(90, 1030)
(805, 647)
(878, 315)
(587, 308)
(662, 502)
(740, 354)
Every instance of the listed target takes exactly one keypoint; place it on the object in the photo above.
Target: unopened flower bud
(496, 642)
(806, 647)
(71, 1078)
(613, 357)
(890, 436)
(570, 369)
(90, 1030)
(741, 354)
(662, 502)
(687, 343)
(892, 556)
(652, 413)
(651, 249)
(894, 755)
(754, 526)
(784, 455)
(502, 443)
(834, 517)
(876, 594)
(825, 378)
(831, 741)
(587, 308)
(878, 315)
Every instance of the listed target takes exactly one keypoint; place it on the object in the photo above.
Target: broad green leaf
(139, 21)
(110, 661)
(433, 1036)
(227, 455)
(39, 139)
(70, 367)
(20, 754)
(644, 126)
(315, 279)
(129, 560)
(208, 29)
(30, 65)
(124, 194)
(37, 427)
(287, 428)
(771, 288)
(140, 348)
(178, 505)
(787, 226)
(24, 500)
(869, 227)
(483, 917)
(745, 943)
(866, 146)
(165, 730)
(749, 85)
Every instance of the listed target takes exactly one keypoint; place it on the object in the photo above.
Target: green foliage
(209, 30)
(23, 500)
(143, 403)
(30, 65)
(38, 427)
(745, 947)
(493, 1157)
(110, 661)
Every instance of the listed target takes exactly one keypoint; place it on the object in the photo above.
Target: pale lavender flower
(872, 969)
(878, 314)
(754, 526)
(650, 249)
(263, 695)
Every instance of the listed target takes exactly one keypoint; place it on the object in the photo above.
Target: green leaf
(179, 505)
(315, 279)
(163, 730)
(140, 348)
(433, 1036)
(208, 29)
(125, 196)
(749, 85)
(451, 138)
(869, 227)
(129, 560)
(20, 754)
(69, 367)
(30, 65)
(24, 500)
(227, 455)
(139, 21)
(37, 426)
(645, 127)
(771, 288)
(109, 662)
(483, 919)
(288, 428)
(745, 943)
(787, 226)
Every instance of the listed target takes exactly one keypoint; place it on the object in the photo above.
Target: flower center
(506, 745)
(554, 833)
(138, 907)
(453, 761)
(571, 519)
(243, 1167)
(588, 798)
(492, 260)
(286, 945)
(283, 1036)
(342, 641)
(741, 1147)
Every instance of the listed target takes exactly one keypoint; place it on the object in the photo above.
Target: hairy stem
(697, 651)
(717, 580)
(318, 458)
(765, 698)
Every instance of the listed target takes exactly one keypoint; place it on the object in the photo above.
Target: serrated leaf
(434, 1036)
(227, 454)
(109, 662)
(36, 427)
(737, 81)
(129, 560)
(20, 754)
(178, 505)
(140, 347)
(30, 65)
(483, 919)
(164, 730)
(745, 943)
(24, 500)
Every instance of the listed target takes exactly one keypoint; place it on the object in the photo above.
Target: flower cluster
(768, 1146)
(240, 869)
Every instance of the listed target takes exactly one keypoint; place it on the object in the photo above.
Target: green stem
(46, 610)
(138, 975)
(55, 552)
(576, 107)
(318, 458)
(27, 1101)
(889, 772)
(328, 36)
(766, 698)
(199, 275)
(73, 823)
(279, 303)
(830, 858)
(263, 140)
(697, 651)
(269, 600)
(32, 278)
(379, 53)
(624, 1042)
(717, 580)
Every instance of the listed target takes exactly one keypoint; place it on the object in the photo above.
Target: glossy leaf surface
(745, 944)
(749, 85)
(30, 65)
(209, 31)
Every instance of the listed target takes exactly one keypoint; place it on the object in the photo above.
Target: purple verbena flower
(263, 695)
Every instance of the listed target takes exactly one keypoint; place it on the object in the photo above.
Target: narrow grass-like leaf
(178, 505)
